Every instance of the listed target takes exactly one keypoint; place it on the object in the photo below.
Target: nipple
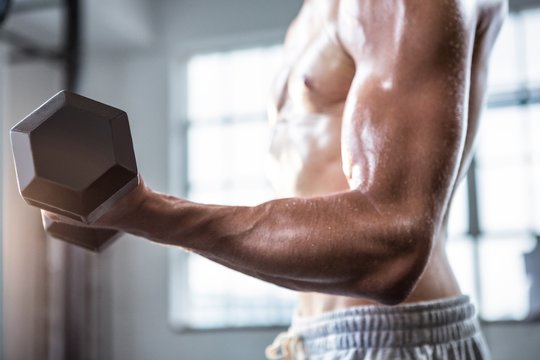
(308, 83)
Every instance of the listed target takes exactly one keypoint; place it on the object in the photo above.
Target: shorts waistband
(414, 324)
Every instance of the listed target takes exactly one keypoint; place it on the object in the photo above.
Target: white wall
(187, 21)
(25, 267)
(513, 340)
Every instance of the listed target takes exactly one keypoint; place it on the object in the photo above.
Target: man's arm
(403, 132)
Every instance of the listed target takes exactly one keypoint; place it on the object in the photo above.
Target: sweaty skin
(373, 120)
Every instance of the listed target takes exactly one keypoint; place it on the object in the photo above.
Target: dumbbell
(74, 157)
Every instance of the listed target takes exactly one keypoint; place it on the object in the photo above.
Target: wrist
(153, 215)
(123, 214)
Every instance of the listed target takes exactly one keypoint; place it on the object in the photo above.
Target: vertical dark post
(77, 267)
(72, 43)
(77, 326)
(474, 225)
(472, 192)
(4, 9)
(2, 152)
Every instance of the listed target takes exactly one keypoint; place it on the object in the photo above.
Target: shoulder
(421, 14)
(401, 27)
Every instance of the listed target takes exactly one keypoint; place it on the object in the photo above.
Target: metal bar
(5, 8)
(472, 193)
(31, 6)
(3, 153)
(72, 42)
(30, 55)
(517, 97)
(520, 5)
(26, 49)
(475, 227)
(78, 265)
(77, 304)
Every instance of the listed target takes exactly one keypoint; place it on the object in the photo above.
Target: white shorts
(442, 329)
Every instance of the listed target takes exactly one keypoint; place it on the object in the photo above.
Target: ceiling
(107, 24)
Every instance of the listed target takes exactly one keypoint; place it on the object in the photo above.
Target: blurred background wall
(130, 47)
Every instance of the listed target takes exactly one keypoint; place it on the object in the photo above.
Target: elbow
(400, 270)
(407, 265)
(404, 281)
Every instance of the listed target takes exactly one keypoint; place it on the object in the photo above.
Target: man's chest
(317, 72)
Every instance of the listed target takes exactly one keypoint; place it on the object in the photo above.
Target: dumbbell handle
(93, 239)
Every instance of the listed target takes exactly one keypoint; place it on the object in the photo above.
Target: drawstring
(286, 346)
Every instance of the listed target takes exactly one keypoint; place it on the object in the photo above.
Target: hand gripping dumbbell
(74, 157)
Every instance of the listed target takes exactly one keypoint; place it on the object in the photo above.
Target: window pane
(461, 256)
(204, 143)
(534, 130)
(535, 197)
(504, 199)
(505, 288)
(234, 83)
(250, 78)
(532, 30)
(228, 298)
(506, 169)
(247, 150)
(458, 221)
(206, 81)
(534, 141)
(502, 136)
(505, 64)
(227, 152)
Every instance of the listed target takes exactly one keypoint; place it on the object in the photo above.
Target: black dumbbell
(74, 157)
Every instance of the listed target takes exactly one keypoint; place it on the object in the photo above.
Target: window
(494, 220)
(227, 137)
(502, 201)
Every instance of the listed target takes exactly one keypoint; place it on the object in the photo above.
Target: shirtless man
(373, 123)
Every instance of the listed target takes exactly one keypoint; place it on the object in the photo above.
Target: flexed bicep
(405, 118)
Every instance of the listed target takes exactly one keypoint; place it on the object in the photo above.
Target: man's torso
(310, 96)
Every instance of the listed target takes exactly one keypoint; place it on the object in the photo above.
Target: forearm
(338, 244)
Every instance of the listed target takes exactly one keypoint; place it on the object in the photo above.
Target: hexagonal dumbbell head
(74, 157)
